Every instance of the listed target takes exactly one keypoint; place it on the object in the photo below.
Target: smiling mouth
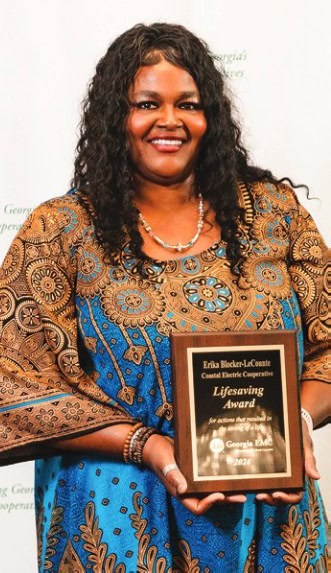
(170, 142)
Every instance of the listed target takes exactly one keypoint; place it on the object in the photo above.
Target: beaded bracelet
(128, 440)
(135, 439)
(139, 443)
(135, 443)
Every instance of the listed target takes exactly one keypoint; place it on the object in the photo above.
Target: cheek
(199, 127)
(137, 126)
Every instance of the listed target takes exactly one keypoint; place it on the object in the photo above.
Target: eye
(190, 105)
(147, 104)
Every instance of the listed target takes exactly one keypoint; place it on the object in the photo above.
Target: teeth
(167, 141)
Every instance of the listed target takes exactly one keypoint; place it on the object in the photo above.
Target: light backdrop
(277, 55)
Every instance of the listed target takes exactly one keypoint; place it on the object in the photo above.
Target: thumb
(176, 479)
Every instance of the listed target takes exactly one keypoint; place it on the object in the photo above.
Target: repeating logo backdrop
(275, 56)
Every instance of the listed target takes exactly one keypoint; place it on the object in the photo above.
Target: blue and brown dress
(85, 343)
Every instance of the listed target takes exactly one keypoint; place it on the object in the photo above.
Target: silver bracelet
(308, 419)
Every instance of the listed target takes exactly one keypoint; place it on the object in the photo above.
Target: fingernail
(181, 488)
(260, 496)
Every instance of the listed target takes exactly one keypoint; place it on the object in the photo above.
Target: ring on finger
(168, 468)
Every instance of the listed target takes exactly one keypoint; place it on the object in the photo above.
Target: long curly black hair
(103, 172)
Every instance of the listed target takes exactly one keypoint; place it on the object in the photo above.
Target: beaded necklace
(179, 247)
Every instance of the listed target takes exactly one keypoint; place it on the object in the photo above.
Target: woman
(164, 204)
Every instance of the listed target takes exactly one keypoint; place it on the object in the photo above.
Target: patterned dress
(85, 343)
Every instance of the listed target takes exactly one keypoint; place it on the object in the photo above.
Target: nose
(169, 117)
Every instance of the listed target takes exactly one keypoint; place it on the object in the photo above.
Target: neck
(162, 197)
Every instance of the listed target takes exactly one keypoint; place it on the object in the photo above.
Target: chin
(167, 179)
(168, 176)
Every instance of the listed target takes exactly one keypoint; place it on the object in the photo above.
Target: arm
(308, 263)
(44, 392)
(157, 453)
(316, 399)
(309, 270)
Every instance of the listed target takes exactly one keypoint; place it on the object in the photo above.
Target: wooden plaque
(237, 411)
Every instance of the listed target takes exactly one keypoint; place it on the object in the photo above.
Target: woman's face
(166, 123)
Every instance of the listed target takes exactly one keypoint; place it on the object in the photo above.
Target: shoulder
(63, 215)
(278, 217)
(273, 197)
(264, 202)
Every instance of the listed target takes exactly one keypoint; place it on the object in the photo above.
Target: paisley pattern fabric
(85, 343)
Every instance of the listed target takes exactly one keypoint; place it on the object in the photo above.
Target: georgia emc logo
(217, 445)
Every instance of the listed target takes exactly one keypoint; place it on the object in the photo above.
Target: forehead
(163, 77)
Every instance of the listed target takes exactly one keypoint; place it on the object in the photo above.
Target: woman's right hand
(157, 454)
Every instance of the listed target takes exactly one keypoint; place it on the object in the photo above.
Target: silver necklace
(179, 247)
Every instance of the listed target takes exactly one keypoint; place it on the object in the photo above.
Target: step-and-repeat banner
(276, 55)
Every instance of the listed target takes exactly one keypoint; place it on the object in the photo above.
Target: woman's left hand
(279, 497)
(308, 452)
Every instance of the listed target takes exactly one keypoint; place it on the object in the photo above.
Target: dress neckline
(164, 262)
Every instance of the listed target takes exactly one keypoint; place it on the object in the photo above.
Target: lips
(167, 141)
(166, 144)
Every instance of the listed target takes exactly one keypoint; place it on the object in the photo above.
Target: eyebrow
(147, 93)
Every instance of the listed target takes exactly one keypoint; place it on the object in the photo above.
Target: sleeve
(44, 392)
(309, 267)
